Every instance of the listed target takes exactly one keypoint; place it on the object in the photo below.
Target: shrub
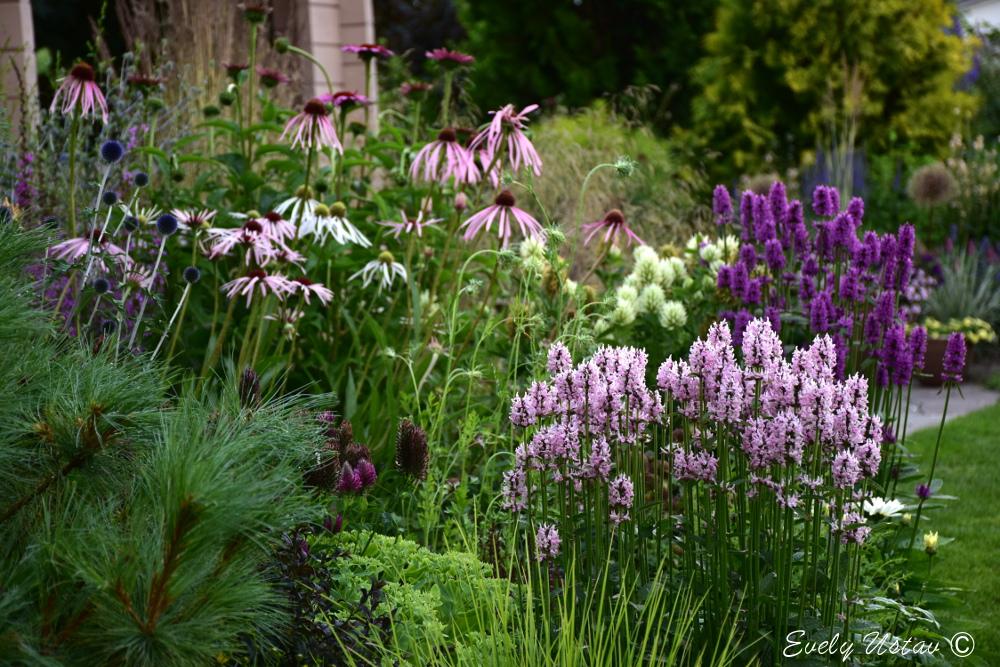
(774, 74)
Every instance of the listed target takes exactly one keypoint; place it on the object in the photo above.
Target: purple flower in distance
(366, 473)
(722, 205)
(918, 347)
(856, 209)
(954, 358)
(923, 491)
(826, 201)
(778, 199)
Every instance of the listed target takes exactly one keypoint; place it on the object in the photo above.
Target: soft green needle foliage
(779, 71)
(133, 526)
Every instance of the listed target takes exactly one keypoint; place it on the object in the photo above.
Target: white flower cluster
(645, 290)
(714, 253)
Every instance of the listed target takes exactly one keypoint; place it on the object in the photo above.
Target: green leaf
(350, 396)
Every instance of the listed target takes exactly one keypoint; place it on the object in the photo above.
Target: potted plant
(975, 331)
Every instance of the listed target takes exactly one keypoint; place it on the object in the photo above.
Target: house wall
(17, 59)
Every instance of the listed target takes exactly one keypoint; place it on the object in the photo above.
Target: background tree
(785, 77)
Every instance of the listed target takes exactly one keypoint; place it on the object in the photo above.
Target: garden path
(926, 404)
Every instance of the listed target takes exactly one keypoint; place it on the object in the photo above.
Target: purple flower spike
(722, 205)
(954, 358)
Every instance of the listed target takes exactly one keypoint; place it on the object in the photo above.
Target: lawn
(969, 467)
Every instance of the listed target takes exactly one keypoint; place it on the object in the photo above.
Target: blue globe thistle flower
(101, 285)
(131, 223)
(141, 179)
(112, 151)
(166, 224)
(192, 274)
(110, 198)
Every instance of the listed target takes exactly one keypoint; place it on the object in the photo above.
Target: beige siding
(17, 44)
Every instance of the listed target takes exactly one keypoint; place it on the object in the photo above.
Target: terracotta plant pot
(934, 361)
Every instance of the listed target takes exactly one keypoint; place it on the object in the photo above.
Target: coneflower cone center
(447, 134)
(257, 273)
(315, 107)
(273, 216)
(505, 198)
(614, 217)
(386, 257)
(253, 226)
(82, 72)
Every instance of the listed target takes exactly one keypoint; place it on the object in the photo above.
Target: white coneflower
(672, 315)
(332, 221)
(876, 506)
(385, 269)
(298, 207)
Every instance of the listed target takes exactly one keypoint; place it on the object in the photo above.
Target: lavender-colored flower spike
(722, 205)
(954, 358)
(918, 346)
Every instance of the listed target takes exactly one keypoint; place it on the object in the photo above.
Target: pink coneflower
(306, 287)
(79, 90)
(503, 210)
(270, 77)
(312, 128)
(446, 55)
(368, 51)
(193, 218)
(509, 125)
(408, 226)
(96, 244)
(344, 99)
(276, 226)
(258, 280)
(414, 88)
(385, 268)
(251, 236)
(443, 159)
(614, 223)
(235, 69)
(144, 81)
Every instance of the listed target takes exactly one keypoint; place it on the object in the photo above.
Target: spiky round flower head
(101, 285)
(192, 274)
(141, 179)
(651, 298)
(932, 185)
(112, 151)
(166, 224)
(412, 455)
(672, 315)
(249, 388)
(109, 198)
(131, 223)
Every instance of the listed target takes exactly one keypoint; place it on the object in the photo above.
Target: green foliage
(132, 526)
(532, 51)
(436, 600)
(968, 289)
(660, 197)
(778, 73)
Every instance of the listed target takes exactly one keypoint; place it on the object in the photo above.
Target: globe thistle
(141, 179)
(131, 223)
(411, 450)
(112, 151)
(101, 285)
(166, 224)
(192, 275)
(109, 198)
(932, 185)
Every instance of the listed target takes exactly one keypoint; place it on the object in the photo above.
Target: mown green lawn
(969, 466)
